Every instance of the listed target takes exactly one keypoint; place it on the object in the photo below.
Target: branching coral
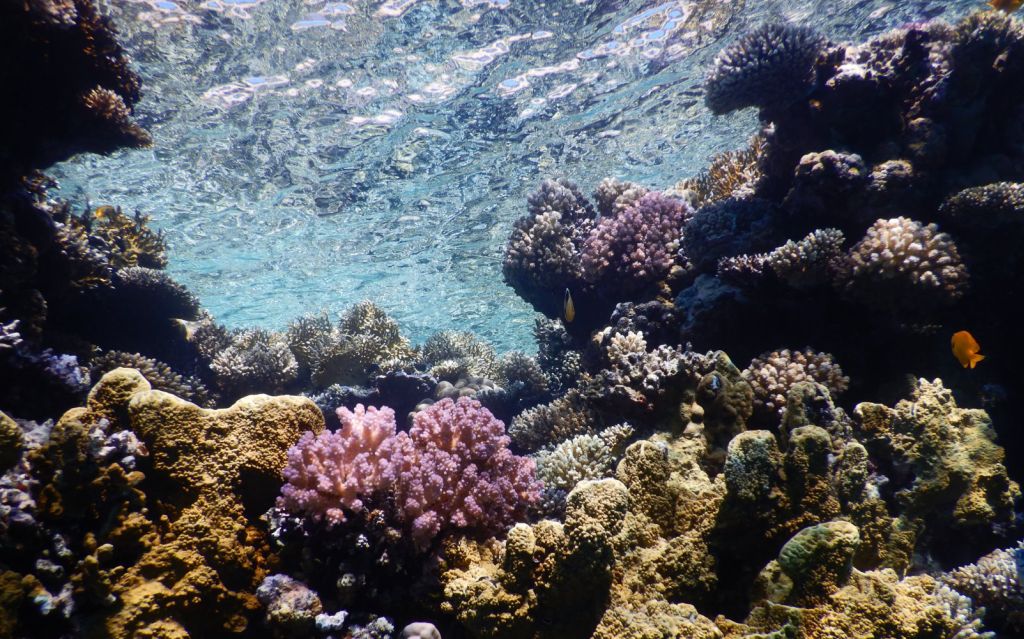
(452, 471)
(770, 67)
(582, 457)
(637, 246)
(542, 256)
(77, 90)
(729, 174)
(449, 355)
(333, 472)
(127, 241)
(613, 197)
(773, 374)
(996, 582)
(552, 423)
(365, 341)
(256, 361)
(904, 262)
(158, 374)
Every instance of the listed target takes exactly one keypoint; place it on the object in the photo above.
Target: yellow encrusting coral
(184, 558)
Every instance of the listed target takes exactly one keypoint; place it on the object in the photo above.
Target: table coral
(769, 67)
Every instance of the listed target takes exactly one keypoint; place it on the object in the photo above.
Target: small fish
(104, 212)
(965, 349)
(1006, 6)
(568, 308)
(188, 328)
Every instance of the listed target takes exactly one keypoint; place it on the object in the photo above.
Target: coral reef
(366, 341)
(77, 90)
(255, 360)
(942, 461)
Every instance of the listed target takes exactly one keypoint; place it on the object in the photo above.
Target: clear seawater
(313, 153)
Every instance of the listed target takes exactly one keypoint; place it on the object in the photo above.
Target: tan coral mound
(200, 556)
(959, 474)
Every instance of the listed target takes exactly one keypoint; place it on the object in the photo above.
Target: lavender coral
(639, 245)
(452, 470)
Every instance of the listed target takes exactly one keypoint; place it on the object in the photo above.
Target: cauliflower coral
(452, 470)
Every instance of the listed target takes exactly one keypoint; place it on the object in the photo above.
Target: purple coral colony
(166, 477)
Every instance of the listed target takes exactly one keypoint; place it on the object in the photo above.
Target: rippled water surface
(312, 153)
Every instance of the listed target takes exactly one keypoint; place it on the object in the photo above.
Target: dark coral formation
(75, 88)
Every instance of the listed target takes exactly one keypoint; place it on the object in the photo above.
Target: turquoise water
(312, 154)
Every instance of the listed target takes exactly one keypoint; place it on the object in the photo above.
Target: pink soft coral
(462, 474)
(452, 470)
(333, 471)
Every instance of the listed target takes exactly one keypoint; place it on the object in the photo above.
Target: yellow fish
(568, 308)
(965, 349)
(104, 212)
(1006, 6)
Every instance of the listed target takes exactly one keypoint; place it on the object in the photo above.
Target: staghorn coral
(996, 583)
(637, 246)
(769, 68)
(944, 462)
(773, 374)
(255, 361)
(159, 375)
(904, 262)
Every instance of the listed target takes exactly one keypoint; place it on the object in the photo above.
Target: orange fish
(965, 349)
(1007, 6)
